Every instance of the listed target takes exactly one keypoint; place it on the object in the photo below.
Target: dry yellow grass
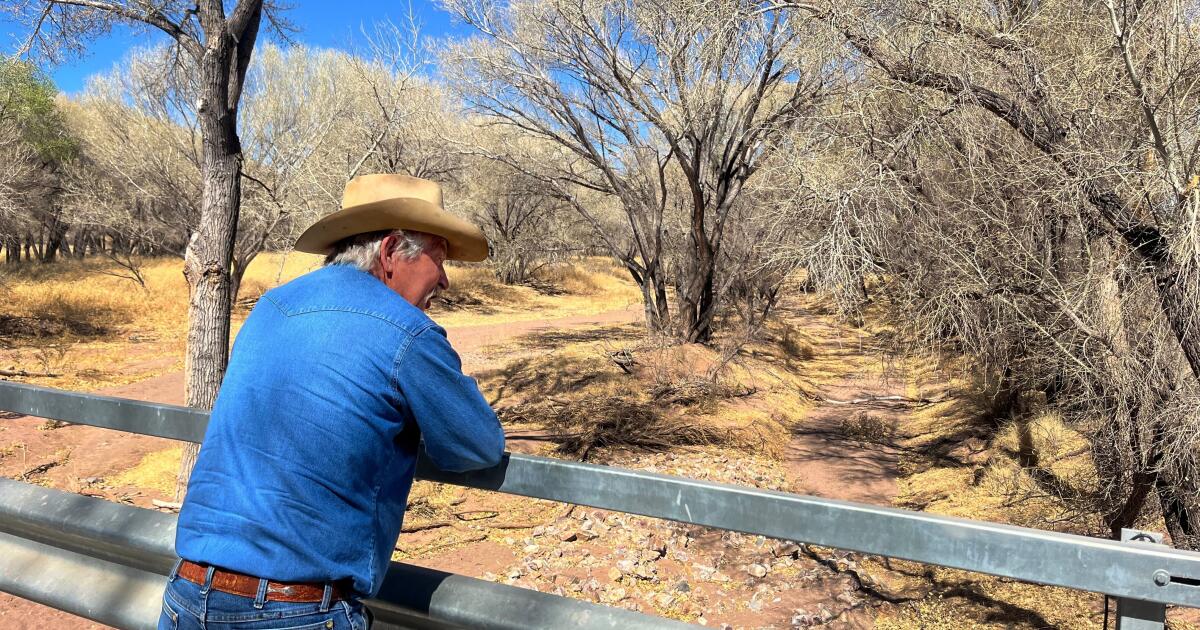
(101, 331)
(156, 471)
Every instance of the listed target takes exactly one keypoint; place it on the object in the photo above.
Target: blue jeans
(190, 606)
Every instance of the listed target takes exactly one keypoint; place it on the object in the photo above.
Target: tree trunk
(209, 254)
(697, 308)
(1179, 496)
(57, 239)
(654, 295)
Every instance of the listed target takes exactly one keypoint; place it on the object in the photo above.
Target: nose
(443, 279)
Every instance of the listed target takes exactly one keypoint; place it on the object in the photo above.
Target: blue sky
(324, 23)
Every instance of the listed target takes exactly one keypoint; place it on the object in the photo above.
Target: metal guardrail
(1143, 576)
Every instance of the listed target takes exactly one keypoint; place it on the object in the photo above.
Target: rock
(645, 572)
(614, 574)
(538, 531)
(705, 572)
(701, 621)
(530, 549)
(757, 570)
(613, 595)
(489, 576)
(664, 600)
(567, 535)
(625, 566)
(514, 573)
(682, 586)
(896, 585)
(786, 549)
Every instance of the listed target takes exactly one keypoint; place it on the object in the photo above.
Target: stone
(567, 535)
(757, 570)
(625, 566)
(645, 572)
(530, 549)
(785, 550)
(613, 595)
(614, 574)
(682, 586)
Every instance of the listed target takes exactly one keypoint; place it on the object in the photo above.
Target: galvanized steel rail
(1129, 571)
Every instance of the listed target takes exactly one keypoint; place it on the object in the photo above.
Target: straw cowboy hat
(391, 202)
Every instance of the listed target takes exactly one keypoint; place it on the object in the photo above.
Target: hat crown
(366, 189)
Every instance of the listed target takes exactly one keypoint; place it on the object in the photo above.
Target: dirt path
(824, 457)
(821, 460)
(78, 454)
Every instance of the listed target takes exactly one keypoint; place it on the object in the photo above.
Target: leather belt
(247, 585)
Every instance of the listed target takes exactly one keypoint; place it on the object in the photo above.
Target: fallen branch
(470, 515)
(37, 470)
(420, 527)
(526, 525)
(167, 505)
(449, 543)
(24, 374)
(871, 399)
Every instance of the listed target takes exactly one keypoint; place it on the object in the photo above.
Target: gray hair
(361, 251)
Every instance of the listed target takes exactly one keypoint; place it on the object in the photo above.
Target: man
(298, 493)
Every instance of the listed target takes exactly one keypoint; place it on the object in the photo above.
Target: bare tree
(220, 44)
(639, 92)
(1032, 198)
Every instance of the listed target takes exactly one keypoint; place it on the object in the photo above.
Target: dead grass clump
(569, 279)
(698, 391)
(867, 428)
(157, 471)
(795, 347)
(477, 286)
(619, 423)
(17, 327)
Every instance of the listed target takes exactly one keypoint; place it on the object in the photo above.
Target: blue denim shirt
(310, 451)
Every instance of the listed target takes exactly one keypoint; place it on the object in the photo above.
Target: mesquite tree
(669, 106)
(220, 44)
(1053, 148)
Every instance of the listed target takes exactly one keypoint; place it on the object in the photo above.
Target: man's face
(418, 280)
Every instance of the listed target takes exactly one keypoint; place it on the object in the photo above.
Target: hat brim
(465, 240)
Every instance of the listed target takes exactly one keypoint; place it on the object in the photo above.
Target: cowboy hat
(373, 203)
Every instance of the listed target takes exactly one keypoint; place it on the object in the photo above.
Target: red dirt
(77, 453)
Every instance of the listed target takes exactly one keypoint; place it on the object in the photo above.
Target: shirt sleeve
(460, 430)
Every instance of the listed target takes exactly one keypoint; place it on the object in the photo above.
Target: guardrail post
(1136, 614)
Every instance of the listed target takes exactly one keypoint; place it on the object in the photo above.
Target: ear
(386, 264)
